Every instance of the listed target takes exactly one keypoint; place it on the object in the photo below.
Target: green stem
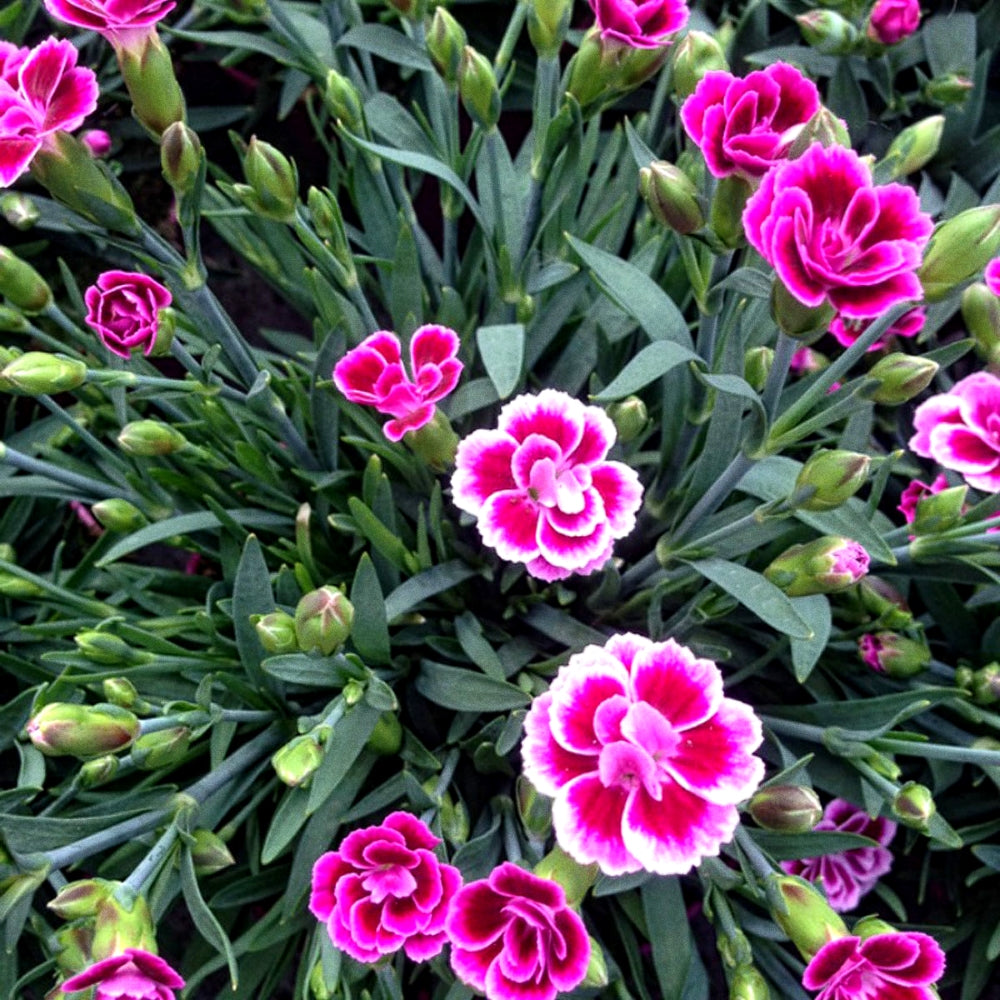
(509, 40)
(57, 316)
(784, 349)
(754, 855)
(147, 868)
(67, 420)
(715, 495)
(203, 718)
(937, 751)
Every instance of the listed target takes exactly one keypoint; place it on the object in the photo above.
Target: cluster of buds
(321, 623)
(983, 684)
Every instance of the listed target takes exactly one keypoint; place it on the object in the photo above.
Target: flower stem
(89, 487)
(784, 349)
(754, 855)
(715, 495)
(147, 868)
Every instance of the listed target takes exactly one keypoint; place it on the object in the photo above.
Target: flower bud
(985, 685)
(894, 654)
(61, 729)
(15, 586)
(327, 220)
(296, 762)
(534, 809)
(36, 373)
(671, 197)
(74, 944)
(959, 249)
(454, 819)
(630, 418)
(344, 102)
(387, 736)
(97, 771)
(981, 314)
(120, 691)
(948, 89)
(548, 21)
(181, 157)
(272, 182)
(799, 909)
(276, 632)
(148, 73)
(786, 808)
(795, 318)
(80, 899)
(323, 620)
(901, 377)
(477, 87)
(317, 978)
(884, 603)
(162, 748)
(822, 566)
(118, 515)
(913, 148)
(147, 438)
(748, 984)
(869, 926)
(435, 443)
(696, 54)
(939, 511)
(123, 925)
(19, 210)
(832, 476)
(112, 650)
(97, 141)
(757, 364)
(596, 976)
(828, 32)
(11, 321)
(825, 128)
(575, 878)
(446, 40)
(209, 853)
(22, 285)
(914, 805)
(726, 210)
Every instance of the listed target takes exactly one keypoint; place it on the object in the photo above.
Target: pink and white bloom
(372, 374)
(385, 889)
(133, 975)
(847, 875)
(845, 331)
(893, 20)
(122, 22)
(514, 937)
(992, 276)
(644, 755)
(42, 90)
(901, 965)
(960, 429)
(123, 308)
(647, 25)
(542, 488)
(834, 236)
(745, 125)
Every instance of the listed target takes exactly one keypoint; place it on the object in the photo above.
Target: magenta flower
(644, 755)
(992, 276)
(133, 975)
(746, 125)
(834, 236)
(845, 331)
(902, 965)
(385, 889)
(121, 22)
(893, 20)
(514, 937)
(960, 429)
(648, 25)
(123, 308)
(542, 489)
(372, 374)
(915, 492)
(42, 90)
(97, 141)
(848, 875)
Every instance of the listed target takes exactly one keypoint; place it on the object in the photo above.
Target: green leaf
(288, 820)
(386, 43)
(424, 585)
(310, 671)
(238, 40)
(252, 595)
(815, 612)
(203, 918)
(467, 690)
(370, 631)
(650, 364)
(792, 846)
(406, 286)
(501, 348)
(865, 718)
(669, 934)
(950, 43)
(341, 750)
(385, 541)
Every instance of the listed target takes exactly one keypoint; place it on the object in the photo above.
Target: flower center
(389, 880)
(561, 488)
(636, 743)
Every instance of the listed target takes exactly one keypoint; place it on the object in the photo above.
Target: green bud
(344, 102)
(914, 805)
(630, 417)
(387, 736)
(120, 691)
(477, 87)
(986, 685)
(324, 210)
(869, 926)
(748, 984)
(61, 729)
(948, 89)
(276, 632)
(123, 925)
(757, 364)
(11, 321)
(413, 10)
(726, 210)
(671, 197)
(894, 654)
(317, 982)
(696, 54)
(786, 808)
(913, 148)
(981, 314)
(36, 373)
(435, 443)
(181, 157)
(596, 976)
(959, 249)
(454, 819)
(795, 318)
(22, 285)
(884, 603)
(147, 438)
(799, 909)
(148, 73)
(445, 41)
(822, 566)
(17, 587)
(118, 515)
(97, 771)
(825, 128)
(209, 853)
(901, 377)
(7, 552)
(940, 511)
(548, 21)
(80, 899)
(296, 762)
(19, 210)
(74, 944)
(162, 748)
(828, 32)
(272, 182)
(832, 476)
(323, 620)
(534, 809)
(112, 650)
(575, 878)
(352, 692)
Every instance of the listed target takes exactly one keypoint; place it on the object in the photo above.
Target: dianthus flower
(901, 965)
(644, 755)
(915, 492)
(542, 488)
(745, 125)
(384, 889)
(847, 875)
(121, 22)
(960, 429)
(514, 937)
(647, 25)
(133, 975)
(893, 20)
(834, 236)
(372, 374)
(846, 331)
(42, 90)
(123, 308)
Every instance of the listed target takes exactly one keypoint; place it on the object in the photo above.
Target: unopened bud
(985, 685)
(914, 805)
(272, 187)
(148, 73)
(446, 39)
(276, 632)
(22, 285)
(948, 89)
(596, 976)
(181, 157)
(296, 762)
(97, 771)
(209, 853)
(80, 899)
(939, 511)
(799, 909)
(912, 148)
(61, 729)
(36, 373)
(534, 809)
(869, 926)
(828, 32)
(884, 603)
(757, 364)
(317, 982)
(825, 128)
(19, 210)
(795, 318)
(435, 443)
(832, 476)
(11, 321)
(344, 102)
(696, 54)
(726, 210)
(981, 314)
(894, 654)
(118, 515)
(786, 808)
(959, 249)
(748, 984)
(162, 748)
(671, 197)
(327, 220)
(387, 736)
(630, 418)
(822, 566)
(901, 377)
(112, 650)
(454, 819)
(120, 691)
(575, 878)
(548, 21)
(147, 438)
(323, 620)
(477, 87)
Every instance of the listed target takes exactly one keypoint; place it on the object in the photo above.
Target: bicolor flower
(123, 308)
(121, 22)
(133, 975)
(647, 25)
(845, 331)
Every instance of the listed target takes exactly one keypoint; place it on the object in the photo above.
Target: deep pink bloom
(915, 492)
(644, 755)
(42, 90)
(845, 331)
(385, 889)
(121, 22)
(648, 25)
(372, 374)
(992, 276)
(541, 486)
(893, 20)
(514, 937)
(834, 236)
(746, 125)
(960, 429)
(902, 965)
(847, 875)
(133, 975)
(123, 308)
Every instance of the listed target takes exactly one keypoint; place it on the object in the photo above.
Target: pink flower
(372, 374)
(133, 975)
(960, 429)
(806, 361)
(542, 489)
(97, 141)
(916, 492)
(648, 25)
(834, 236)
(848, 875)
(644, 755)
(123, 308)
(42, 90)
(893, 20)
(121, 22)
(514, 937)
(992, 276)
(385, 889)
(745, 126)
(902, 965)
(845, 331)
